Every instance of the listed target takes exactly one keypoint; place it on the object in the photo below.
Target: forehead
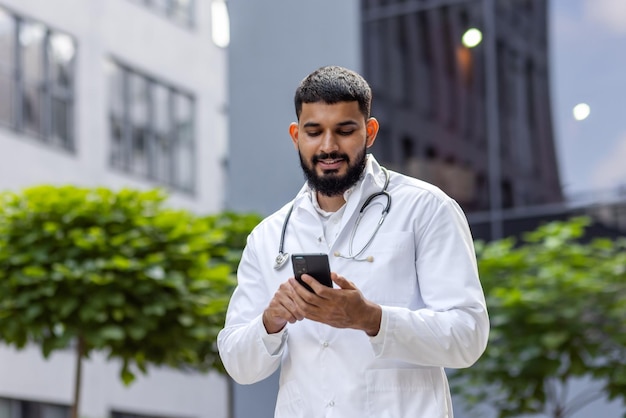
(330, 114)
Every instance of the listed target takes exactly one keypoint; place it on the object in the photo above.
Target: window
(37, 80)
(151, 127)
(117, 414)
(13, 408)
(7, 68)
(178, 11)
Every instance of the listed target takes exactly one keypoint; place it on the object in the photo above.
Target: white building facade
(116, 93)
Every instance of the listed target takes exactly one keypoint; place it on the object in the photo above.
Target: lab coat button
(331, 403)
(325, 344)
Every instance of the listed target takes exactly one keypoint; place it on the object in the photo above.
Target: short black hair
(334, 84)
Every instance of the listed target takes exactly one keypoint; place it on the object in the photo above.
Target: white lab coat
(424, 276)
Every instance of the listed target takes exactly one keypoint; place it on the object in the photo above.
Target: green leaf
(112, 332)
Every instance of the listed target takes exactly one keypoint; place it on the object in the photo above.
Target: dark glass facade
(430, 96)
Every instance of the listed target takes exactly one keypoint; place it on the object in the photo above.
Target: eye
(313, 133)
(346, 132)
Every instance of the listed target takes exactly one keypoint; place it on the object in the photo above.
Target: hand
(282, 309)
(343, 307)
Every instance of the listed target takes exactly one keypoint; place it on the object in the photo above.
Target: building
(99, 96)
(119, 93)
(449, 109)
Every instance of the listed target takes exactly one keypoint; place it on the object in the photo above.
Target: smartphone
(315, 265)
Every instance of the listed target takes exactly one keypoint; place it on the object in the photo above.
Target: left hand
(343, 307)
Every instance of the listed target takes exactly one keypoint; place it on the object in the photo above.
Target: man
(406, 301)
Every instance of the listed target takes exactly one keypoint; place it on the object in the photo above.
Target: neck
(330, 203)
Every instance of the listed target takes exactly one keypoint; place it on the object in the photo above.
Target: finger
(342, 282)
(298, 288)
(286, 302)
(306, 298)
(317, 287)
(293, 304)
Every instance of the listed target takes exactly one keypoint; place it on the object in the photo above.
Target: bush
(558, 312)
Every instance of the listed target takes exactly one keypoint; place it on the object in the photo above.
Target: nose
(329, 142)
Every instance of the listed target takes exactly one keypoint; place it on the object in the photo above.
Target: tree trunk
(80, 348)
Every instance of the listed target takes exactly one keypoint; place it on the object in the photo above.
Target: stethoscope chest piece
(280, 260)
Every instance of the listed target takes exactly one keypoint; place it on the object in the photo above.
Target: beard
(330, 183)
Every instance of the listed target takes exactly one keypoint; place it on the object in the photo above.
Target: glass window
(163, 134)
(115, 79)
(7, 34)
(32, 36)
(184, 152)
(61, 51)
(5, 408)
(178, 11)
(14, 408)
(61, 129)
(7, 97)
(36, 80)
(54, 411)
(151, 128)
(7, 61)
(139, 113)
(117, 414)
(31, 39)
(181, 11)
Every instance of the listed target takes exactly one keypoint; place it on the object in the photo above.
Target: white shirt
(424, 276)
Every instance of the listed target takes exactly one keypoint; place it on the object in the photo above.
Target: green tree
(116, 271)
(558, 312)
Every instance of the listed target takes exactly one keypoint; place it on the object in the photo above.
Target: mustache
(335, 155)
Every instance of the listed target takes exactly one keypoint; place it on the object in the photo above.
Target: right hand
(282, 308)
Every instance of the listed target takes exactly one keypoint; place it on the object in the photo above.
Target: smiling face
(332, 140)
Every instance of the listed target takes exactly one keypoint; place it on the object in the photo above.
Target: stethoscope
(282, 256)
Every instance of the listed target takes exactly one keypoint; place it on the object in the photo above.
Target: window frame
(46, 91)
(155, 156)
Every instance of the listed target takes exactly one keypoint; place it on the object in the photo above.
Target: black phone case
(315, 265)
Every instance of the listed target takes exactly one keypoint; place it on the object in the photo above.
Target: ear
(371, 129)
(293, 133)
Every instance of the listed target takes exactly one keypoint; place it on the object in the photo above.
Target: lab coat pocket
(398, 393)
(390, 279)
(289, 403)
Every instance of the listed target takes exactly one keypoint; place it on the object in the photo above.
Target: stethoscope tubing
(282, 257)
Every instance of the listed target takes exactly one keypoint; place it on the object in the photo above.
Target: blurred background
(514, 107)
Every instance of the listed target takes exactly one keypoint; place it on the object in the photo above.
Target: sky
(588, 65)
